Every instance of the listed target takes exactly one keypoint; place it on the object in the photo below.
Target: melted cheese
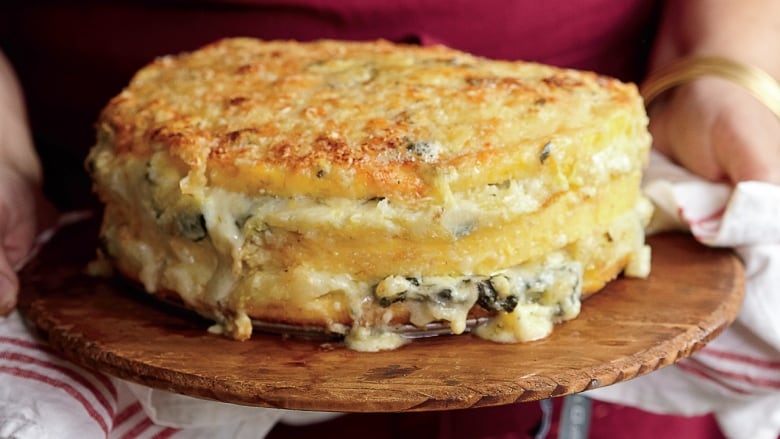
(528, 299)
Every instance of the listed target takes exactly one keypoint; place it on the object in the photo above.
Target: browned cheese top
(360, 120)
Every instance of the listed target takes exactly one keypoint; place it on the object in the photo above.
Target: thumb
(9, 286)
(749, 147)
(9, 283)
(17, 232)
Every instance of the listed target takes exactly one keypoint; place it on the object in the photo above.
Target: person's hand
(718, 130)
(19, 201)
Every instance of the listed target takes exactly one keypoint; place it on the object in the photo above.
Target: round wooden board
(631, 328)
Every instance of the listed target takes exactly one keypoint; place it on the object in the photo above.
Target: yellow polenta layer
(564, 219)
(307, 295)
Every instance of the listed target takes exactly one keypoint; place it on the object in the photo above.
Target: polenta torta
(362, 186)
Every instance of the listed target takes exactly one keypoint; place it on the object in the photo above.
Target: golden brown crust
(357, 120)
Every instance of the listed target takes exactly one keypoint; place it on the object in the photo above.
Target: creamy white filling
(526, 300)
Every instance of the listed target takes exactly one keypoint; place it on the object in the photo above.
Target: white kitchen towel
(737, 375)
(44, 396)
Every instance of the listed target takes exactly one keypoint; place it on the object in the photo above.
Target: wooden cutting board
(631, 328)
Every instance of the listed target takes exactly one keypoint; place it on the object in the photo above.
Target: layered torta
(359, 188)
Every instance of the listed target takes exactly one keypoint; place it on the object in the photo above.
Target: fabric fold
(737, 375)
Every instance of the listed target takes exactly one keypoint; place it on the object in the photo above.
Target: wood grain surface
(631, 328)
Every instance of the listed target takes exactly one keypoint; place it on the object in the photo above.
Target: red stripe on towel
(67, 388)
